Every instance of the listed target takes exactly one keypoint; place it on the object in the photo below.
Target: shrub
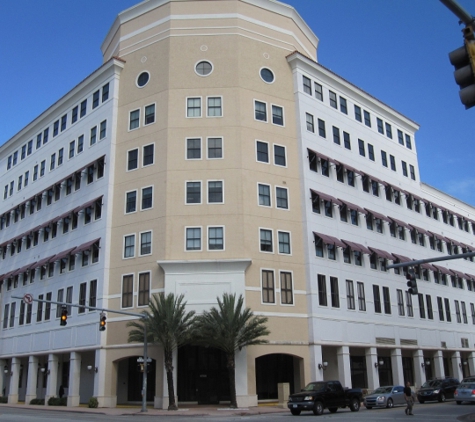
(37, 401)
(56, 401)
(3, 399)
(93, 403)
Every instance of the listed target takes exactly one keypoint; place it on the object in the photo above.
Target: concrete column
(396, 364)
(52, 381)
(371, 354)
(74, 379)
(471, 363)
(14, 379)
(32, 379)
(316, 359)
(344, 370)
(2, 377)
(419, 373)
(439, 364)
(455, 361)
(104, 397)
(243, 397)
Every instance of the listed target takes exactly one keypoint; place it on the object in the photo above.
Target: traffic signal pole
(429, 260)
(141, 316)
(460, 12)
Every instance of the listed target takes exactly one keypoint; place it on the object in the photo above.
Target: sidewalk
(184, 410)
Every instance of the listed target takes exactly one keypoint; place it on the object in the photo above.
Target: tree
(230, 327)
(168, 324)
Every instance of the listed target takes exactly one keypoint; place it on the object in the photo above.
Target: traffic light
(463, 60)
(64, 316)
(411, 282)
(102, 322)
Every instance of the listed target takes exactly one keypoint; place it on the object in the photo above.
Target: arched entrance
(130, 379)
(202, 375)
(274, 369)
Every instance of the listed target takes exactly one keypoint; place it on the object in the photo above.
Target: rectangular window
(333, 101)
(457, 311)
(127, 291)
(12, 314)
(472, 309)
(147, 198)
(93, 137)
(69, 299)
(413, 172)
(144, 289)
(215, 192)
(268, 289)
(334, 292)
(82, 298)
(214, 107)
(379, 123)
(322, 290)
(358, 113)
(193, 192)
(284, 242)
(264, 195)
(193, 149)
(134, 120)
(260, 111)
(279, 155)
(52, 163)
(321, 128)
(336, 135)
(386, 300)
(103, 129)
(266, 240)
(95, 99)
(146, 243)
(440, 307)
(408, 142)
(60, 156)
(193, 107)
(6, 313)
(430, 313)
(367, 118)
(148, 155)
(377, 299)
(400, 302)
(92, 293)
(346, 140)
(370, 152)
(281, 198)
(55, 128)
(105, 92)
(350, 294)
(74, 115)
(343, 106)
(310, 122)
(361, 148)
(129, 246)
(262, 149)
(393, 162)
(83, 108)
(215, 238)
(448, 314)
(193, 239)
(318, 91)
(307, 85)
(384, 158)
(389, 131)
(72, 149)
(149, 114)
(286, 288)
(404, 168)
(80, 143)
(132, 159)
(215, 148)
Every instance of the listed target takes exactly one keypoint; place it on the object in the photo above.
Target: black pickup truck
(321, 395)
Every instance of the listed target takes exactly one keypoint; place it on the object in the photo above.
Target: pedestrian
(408, 396)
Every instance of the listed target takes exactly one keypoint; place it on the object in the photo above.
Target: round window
(204, 68)
(143, 78)
(267, 75)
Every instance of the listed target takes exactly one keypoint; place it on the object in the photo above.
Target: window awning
(442, 270)
(44, 261)
(401, 223)
(357, 247)
(378, 215)
(353, 206)
(437, 236)
(60, 217)
(428, 266)
(86, 245)
(348, 167)
(381, 253)
(86, 204)
(7, 275)
(330, 240)
(64, 254)
(452, 241)
(326, 197)
(375, 179)
(23, 269)
(458, 273)
(324, 157)
(419, 230)
(402, 258)
(469, 276)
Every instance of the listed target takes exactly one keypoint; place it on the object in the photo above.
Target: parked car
(321, 395)
(465, 391)
(439, 389)
(387, 396)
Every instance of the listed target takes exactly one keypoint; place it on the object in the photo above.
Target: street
(443, 412)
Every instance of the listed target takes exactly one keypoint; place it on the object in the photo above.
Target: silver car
(465, 392)
(387, 396)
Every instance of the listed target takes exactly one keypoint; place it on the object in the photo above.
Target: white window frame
(290, 243)
(129, 129)
(221, 105)
(141, 197)
(288, 198)
(207, 191)
(138, 288)
(201, 107)
(186, 192)
(259, 195)
(268, 162)
(261, 270)
(207, 147)
(201, 148)
(293, 288)
(125, 202)
(154, 114)
(208, 237)
(272, 240)
(151, 243)
(272, 115)
(254, 111)
(122, 289)
(127, 159)
(123, 245)
(273, 154)
(186, 238)
(143, 154)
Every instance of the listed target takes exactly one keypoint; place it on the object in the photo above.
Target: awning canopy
(326, 197)
(330, 240)
(402, 258)
(419, 230)
(86, 245)
(353, 206)
(381, 253)
(442, 270)
(64, 254)
(357, 247)
(458, 273)
(378, 215)
(401, 223)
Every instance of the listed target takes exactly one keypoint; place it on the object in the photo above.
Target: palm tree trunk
(169, 370)
(232, 379)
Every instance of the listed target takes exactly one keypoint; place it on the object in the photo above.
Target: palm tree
(230, 328)
(168, 324)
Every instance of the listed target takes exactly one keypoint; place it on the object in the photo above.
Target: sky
(396, 50)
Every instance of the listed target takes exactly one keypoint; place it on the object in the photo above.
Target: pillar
(371, 355)
(316, 359)
(471, 363)
(456, 363)
(438, 362)
(419, 373)
(396, 364)
(52, 381)
(344, 370)
(2, 377)
(74, 379)
(14, 379)
(32, 379)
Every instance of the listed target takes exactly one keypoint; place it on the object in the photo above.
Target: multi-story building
(212, 153)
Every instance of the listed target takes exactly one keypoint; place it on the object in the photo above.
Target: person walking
(408, 396)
